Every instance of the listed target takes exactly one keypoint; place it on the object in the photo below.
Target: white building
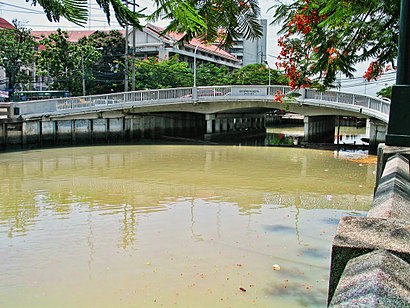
(250, 51)
(149, 42)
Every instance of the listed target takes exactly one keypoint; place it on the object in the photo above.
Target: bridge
(204, 112)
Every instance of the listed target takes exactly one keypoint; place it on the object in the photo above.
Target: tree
(106, 71)
(65, 62)
(153, 74)
(16, 51)
(256, 74)
(321, 38)
(385, 92)
(209, 74)
(76, 11)
(210, 20)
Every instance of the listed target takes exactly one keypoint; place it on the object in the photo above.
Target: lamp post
(398, 131)
(14, 67)
(194, 88)
(267, 64)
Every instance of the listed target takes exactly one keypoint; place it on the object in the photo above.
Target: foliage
(209, 74)
(385, 92)
(76, 11)
(321, 38)
(256, 74)
(17, 46)
(64, 61)
(106, 71)
(153, 74)
(210, 20)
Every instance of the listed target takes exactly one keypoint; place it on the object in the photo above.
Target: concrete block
(356, 236)
(376, 279)
(396, 165)
(386, 151)
(392, 198)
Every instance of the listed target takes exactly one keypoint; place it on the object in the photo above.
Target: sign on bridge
(248, 91)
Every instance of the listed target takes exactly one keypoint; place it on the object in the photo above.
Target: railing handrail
(185, 94)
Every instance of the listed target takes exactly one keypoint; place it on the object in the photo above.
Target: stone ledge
(392, 197)
(384, 152)
(376, 279)
(356, 236)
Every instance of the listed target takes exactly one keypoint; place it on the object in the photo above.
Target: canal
(174, 225)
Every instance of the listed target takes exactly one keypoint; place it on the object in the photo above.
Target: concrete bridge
(203, 112)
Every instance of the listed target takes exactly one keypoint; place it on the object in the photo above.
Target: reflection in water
(294, 135)
(151, 225)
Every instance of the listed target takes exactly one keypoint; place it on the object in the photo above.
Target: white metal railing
(187, 95)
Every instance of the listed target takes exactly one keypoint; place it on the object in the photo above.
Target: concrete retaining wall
(370, 264)
(127, 128)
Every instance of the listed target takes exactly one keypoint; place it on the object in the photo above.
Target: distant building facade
(149, 42)
(250, 51)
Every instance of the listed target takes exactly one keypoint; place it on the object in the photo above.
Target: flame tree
(320, 38)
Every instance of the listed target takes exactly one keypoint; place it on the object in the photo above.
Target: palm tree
(210, 20)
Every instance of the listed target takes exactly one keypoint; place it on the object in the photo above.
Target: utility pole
(398, 131)
(133, 53)
(126, 55)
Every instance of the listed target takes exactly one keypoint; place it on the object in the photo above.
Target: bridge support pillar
(217, 125)
(225, 125)
(210, 118)
(376, 130)
(320, 129)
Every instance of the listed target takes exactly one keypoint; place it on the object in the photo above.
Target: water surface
(173, 225)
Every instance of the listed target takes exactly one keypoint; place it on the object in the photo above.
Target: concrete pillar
(31, 132)
(64, 131)
(82, 131)
(225, 125)
(115, 129)
(217, 125)
(99, 130)
(48, 132)
(209, 118)
(376, 130)
(320, 129)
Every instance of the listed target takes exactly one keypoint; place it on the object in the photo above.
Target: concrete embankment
(370, 265)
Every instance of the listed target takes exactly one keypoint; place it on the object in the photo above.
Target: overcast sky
(35, 19)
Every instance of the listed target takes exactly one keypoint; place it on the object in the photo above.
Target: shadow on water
(279, 228)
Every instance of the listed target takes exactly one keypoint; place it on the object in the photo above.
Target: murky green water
(173, 226)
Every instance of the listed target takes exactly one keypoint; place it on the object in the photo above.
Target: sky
(34, 18)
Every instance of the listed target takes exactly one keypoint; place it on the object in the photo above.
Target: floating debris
(242, 289)
(276, 267)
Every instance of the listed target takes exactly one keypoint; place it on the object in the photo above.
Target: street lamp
(194, 88)
(14, 67)
(83, 68)
(267, 64)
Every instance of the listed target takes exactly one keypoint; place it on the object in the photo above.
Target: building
(4, 24)
(250, 51)
(151, 42)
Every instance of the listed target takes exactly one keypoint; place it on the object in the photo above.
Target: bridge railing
(181, 95)
(382, 106)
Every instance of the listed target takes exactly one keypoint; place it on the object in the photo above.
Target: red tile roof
(73, 36)
(171, 37)
(4, 24)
